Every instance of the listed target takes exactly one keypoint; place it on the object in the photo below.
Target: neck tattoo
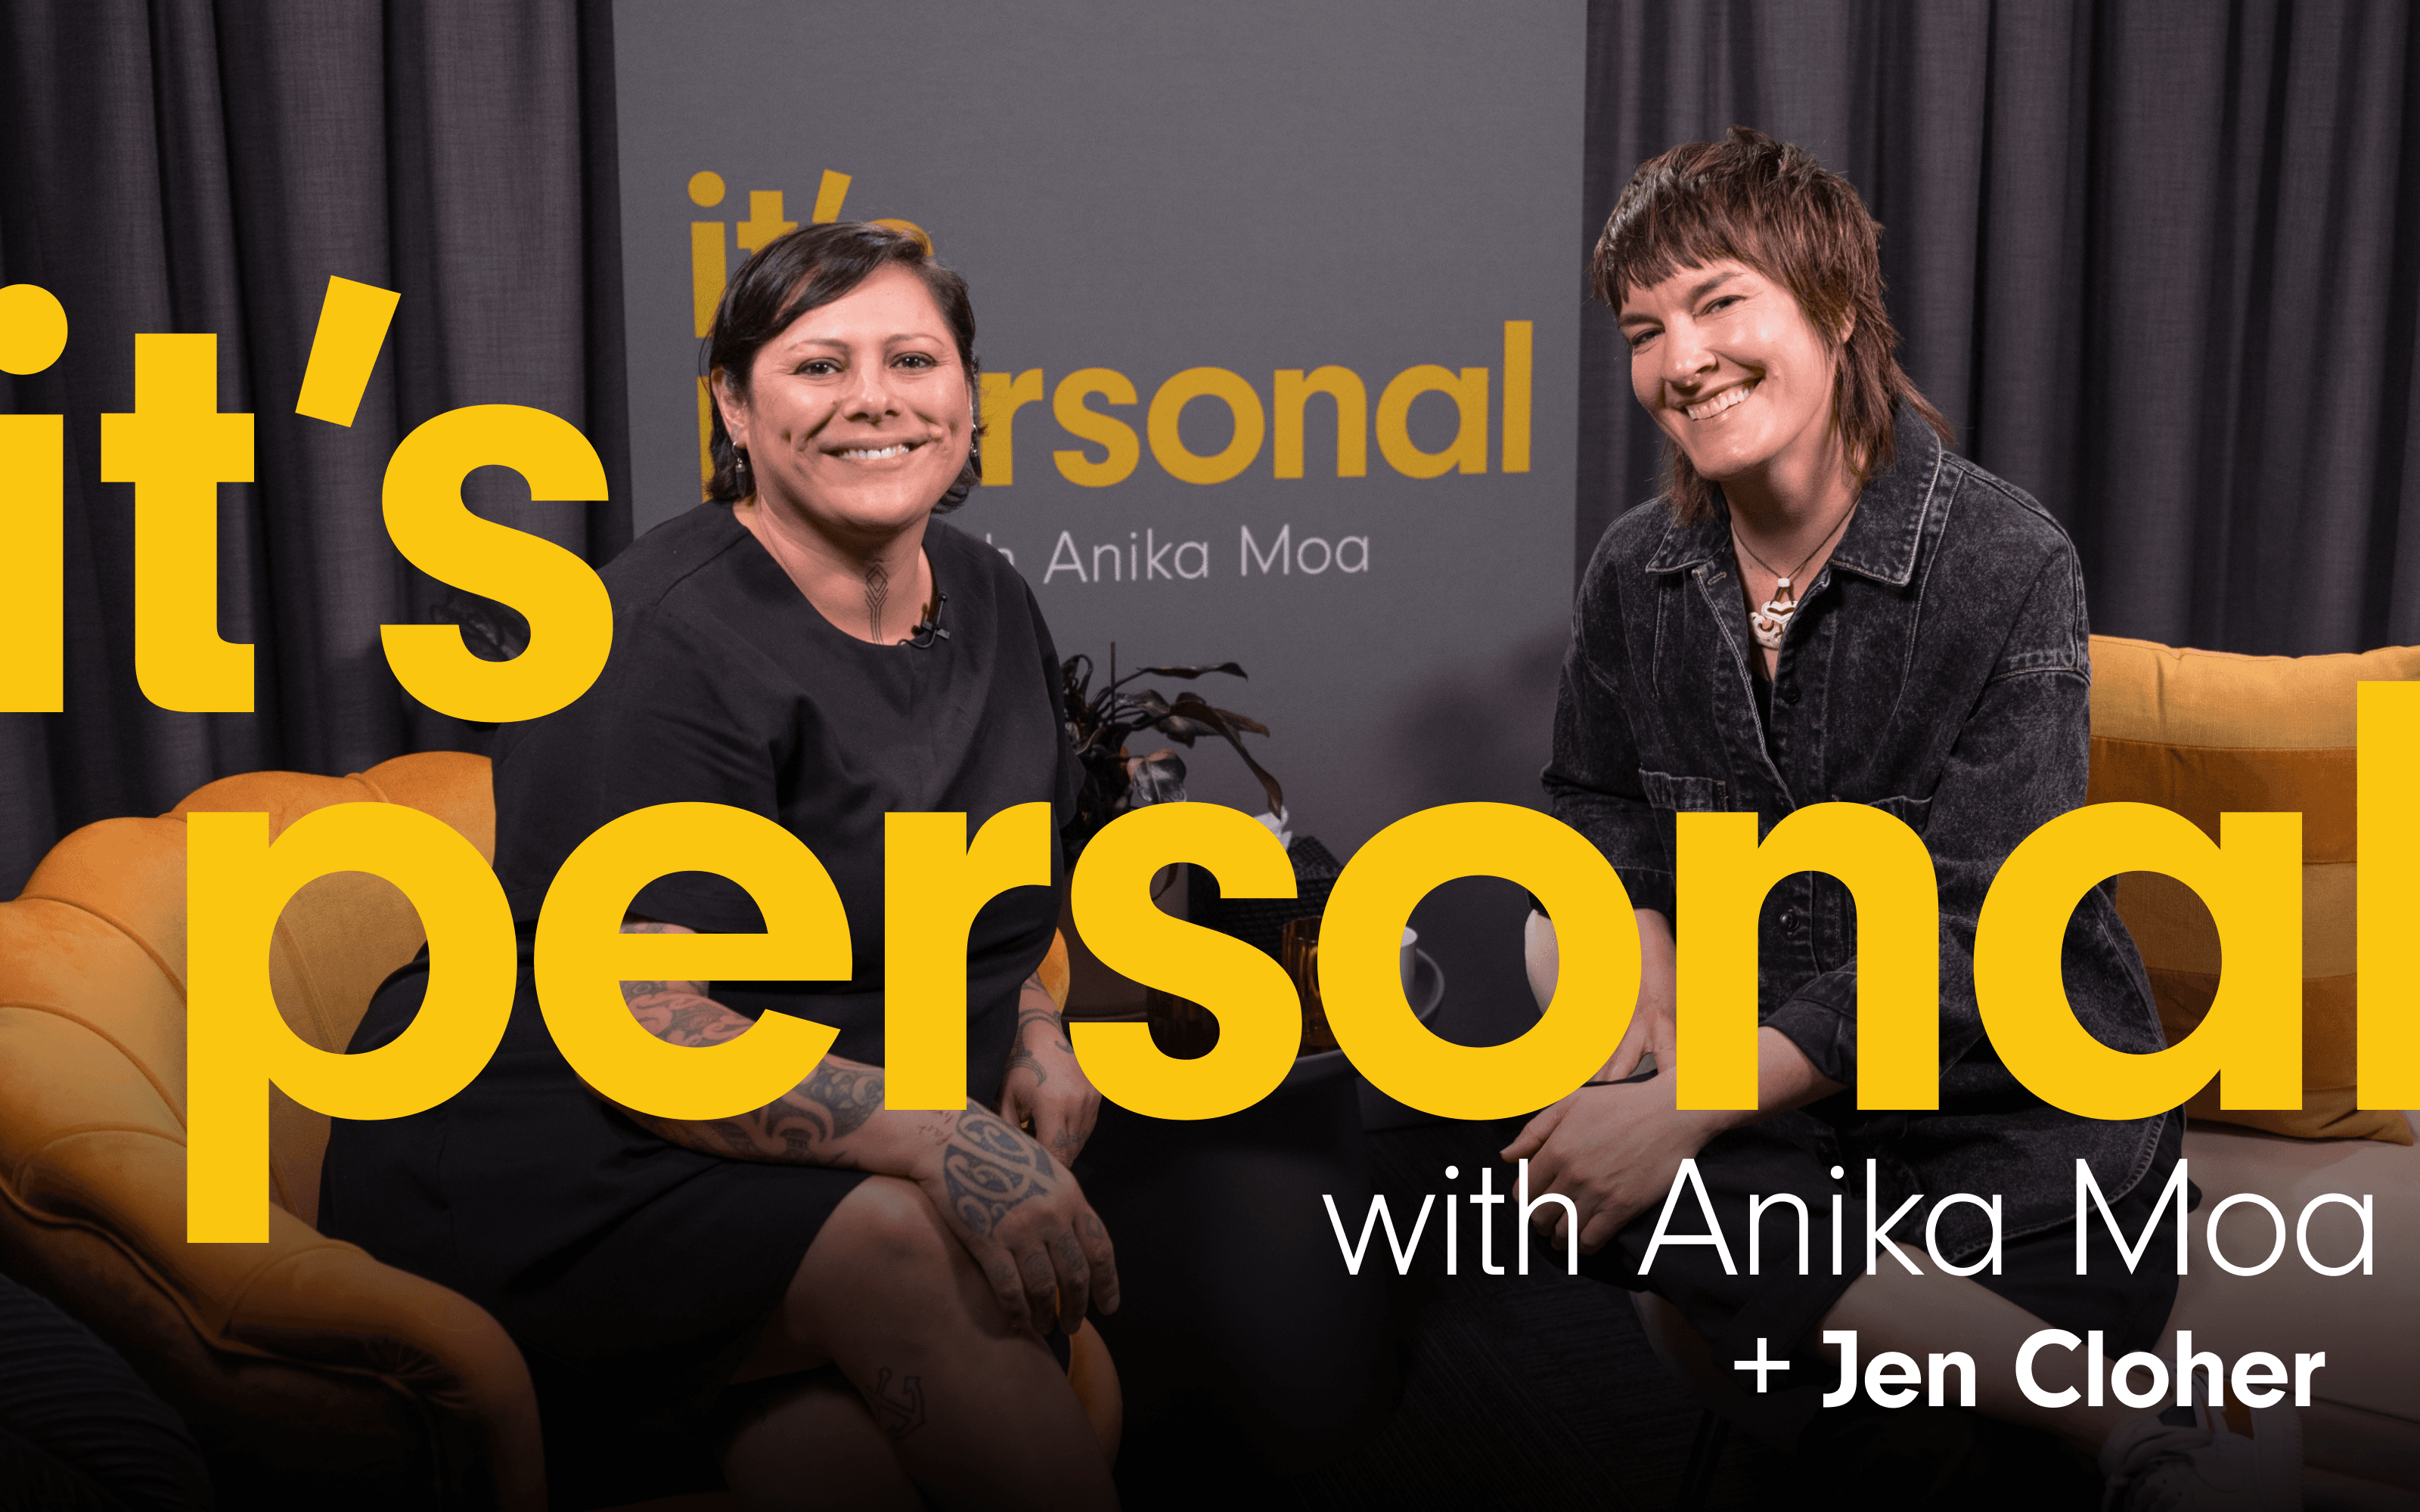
(1772, 622)
(878, 589)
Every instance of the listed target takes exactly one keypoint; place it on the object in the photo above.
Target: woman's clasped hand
(1021, 1215)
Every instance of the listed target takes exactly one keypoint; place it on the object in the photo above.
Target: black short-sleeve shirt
(634, 1272)
(725, 686)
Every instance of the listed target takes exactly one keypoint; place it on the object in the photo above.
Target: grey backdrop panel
(1253, 187)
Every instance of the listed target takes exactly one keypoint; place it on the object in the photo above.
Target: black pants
(1862, 1452)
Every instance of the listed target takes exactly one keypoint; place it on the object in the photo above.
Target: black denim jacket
(1936, 668)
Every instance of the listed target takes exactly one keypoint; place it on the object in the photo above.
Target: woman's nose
(869, 393)
(1685, 354)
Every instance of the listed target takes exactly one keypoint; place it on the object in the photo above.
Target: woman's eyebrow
(893, 339)
(1708, 285)
(1698, 291)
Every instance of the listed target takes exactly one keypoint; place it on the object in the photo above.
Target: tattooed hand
(1017, 1210)
(1045, 1089)
(1023, 1218)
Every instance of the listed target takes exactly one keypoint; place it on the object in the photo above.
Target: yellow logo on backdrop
(1108, 450)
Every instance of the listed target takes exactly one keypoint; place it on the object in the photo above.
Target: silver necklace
(1771, 622)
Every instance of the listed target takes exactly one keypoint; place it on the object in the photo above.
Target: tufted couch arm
(312, 1374)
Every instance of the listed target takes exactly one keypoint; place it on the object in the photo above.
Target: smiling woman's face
(858, 416)
(1728, 365)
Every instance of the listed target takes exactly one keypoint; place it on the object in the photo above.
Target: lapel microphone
(928, 631)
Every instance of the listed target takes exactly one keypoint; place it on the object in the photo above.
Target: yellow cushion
(2205, 732)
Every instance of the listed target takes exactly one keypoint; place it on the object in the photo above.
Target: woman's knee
(886, 1233)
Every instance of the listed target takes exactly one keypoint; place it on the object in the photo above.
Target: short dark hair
(1773, 207)
(805, 269)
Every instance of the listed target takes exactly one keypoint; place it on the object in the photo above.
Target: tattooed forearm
(731, 1135)
(807, 1124)
(848, 1094)
(681, 1017)
(1023, 1058)
(985, 1167)
(992, 1169)
(677, 1010)
(1038, 1024)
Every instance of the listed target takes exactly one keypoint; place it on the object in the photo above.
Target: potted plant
(1100, 723)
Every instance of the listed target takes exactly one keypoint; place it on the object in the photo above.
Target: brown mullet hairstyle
(805, 269)
(1773, 207)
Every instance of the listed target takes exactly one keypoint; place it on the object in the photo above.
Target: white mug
(1411, 937)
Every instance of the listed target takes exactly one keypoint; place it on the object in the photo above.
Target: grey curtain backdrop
(2154, 259)
(185, 166)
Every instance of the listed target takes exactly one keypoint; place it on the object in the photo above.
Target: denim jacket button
(1794, 923)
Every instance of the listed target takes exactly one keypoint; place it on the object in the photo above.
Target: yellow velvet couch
(312, 1374)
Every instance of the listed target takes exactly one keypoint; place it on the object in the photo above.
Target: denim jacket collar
(1883, 536)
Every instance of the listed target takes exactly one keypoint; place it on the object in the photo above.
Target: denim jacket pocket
(1909, 811)
(1683, 794)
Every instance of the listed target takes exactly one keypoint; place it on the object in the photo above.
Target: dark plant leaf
(1190, 710)
(1101, 722)
(1195, 670)
(1191, 705)
(1227, 667)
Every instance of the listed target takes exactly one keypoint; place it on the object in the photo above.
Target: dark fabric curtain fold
(2155, 259)
(197, 167)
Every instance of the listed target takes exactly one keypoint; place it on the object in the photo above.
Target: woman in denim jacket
(1825, 604)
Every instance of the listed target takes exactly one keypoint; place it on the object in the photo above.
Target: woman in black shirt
(809, 646)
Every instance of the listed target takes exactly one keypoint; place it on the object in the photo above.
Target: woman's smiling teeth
(1719, 402)
(875, 454)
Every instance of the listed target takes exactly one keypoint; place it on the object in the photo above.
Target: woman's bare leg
(978, 1414)
(1938, 1313)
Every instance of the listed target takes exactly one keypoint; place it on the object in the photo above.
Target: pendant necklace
(1771, 622)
